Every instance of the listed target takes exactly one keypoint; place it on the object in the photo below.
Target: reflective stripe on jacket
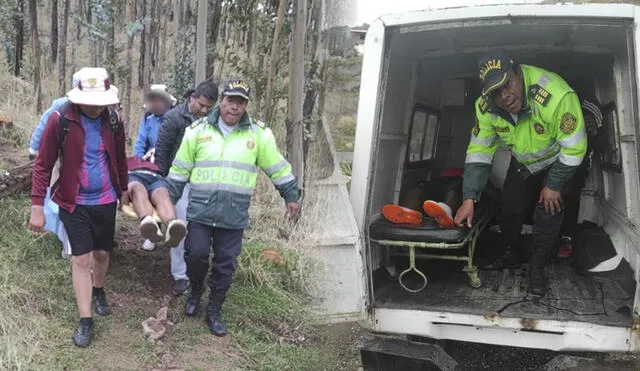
(222, 172)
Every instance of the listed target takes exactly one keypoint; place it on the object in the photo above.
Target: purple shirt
(95, 182)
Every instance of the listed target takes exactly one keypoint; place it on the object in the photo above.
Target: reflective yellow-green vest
(222, 172)
(548, 133)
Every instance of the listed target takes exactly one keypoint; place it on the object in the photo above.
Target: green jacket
(549, 133)
(222, 172)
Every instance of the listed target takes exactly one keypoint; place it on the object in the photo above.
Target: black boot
(193, 301)
(214, 315)
(509, 259)
(537, 280)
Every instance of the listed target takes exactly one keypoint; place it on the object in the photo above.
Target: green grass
(265, 307)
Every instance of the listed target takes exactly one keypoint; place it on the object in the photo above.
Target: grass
(269, 325)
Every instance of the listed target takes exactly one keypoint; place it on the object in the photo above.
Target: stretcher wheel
(130, 212)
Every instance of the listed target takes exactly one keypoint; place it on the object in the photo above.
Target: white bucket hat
(161, 90)
(94, 88)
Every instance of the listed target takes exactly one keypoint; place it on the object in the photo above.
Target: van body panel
(494, 329)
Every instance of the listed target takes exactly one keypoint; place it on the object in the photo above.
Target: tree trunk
(76, 39)
(93, 42)
(133, 14)
(35, 48)
(54, 32)
(201, 42)
(161, 41)
(110, 45)
(214, 25)
(273, 62)
(295, 132)
(143, 42)
(150, 48)
(315, 55)
(62, 47)
(18, 24)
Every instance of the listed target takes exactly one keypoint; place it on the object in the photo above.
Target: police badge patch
(568, 123)
(538, 128)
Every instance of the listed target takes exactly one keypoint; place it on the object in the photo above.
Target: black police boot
(193, 301)
(83, 335)
(537, 280)
(509, 259)
(214, 315)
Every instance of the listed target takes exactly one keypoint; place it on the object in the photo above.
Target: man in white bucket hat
(89, 138)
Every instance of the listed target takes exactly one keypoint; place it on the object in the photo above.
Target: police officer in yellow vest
(220, 156)
(538, 116)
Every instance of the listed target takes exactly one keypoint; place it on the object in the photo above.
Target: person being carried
(148, 189)
(438, 198)
(198, 104)
(158, 101)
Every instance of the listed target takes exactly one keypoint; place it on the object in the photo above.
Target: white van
(415, 117)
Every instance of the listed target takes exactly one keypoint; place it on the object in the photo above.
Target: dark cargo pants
(518, 196)
(226, 244)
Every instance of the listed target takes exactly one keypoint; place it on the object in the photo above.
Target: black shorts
(90, 227)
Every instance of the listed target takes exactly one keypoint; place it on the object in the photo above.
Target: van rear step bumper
(386, 353)
(381, 353)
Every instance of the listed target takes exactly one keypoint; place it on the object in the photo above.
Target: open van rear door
(339, 289)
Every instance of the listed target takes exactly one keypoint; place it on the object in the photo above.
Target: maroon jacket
(65, 190)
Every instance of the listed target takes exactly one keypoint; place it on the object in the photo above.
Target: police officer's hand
(551, 200)
(293, 208)
(465, 213)
(37, 219)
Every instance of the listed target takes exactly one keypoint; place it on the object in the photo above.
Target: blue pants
(226, 245)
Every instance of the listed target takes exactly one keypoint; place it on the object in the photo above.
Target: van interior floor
(601, 300)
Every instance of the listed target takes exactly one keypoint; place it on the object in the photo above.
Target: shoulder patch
(568, 123)
(198, 122)
(539, 94)
(484, 105)
(476, 127)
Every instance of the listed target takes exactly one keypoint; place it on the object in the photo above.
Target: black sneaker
(83, 335)
(100, 303)
(180, 286)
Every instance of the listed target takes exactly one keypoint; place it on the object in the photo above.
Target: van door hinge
(629, 138)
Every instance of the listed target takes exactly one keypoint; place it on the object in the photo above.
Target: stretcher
(430, 236)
